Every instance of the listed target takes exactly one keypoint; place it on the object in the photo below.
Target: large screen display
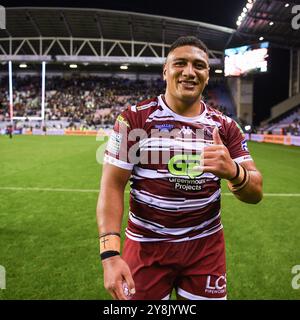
(246, 59)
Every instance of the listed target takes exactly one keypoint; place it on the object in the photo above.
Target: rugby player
(175, 150)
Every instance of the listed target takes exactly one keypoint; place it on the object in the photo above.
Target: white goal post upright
(43, 91)
(11, 108)
(42, 117)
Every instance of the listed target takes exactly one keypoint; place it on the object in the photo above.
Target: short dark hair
(188, 41)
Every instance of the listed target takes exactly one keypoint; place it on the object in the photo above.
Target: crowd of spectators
(287, 124)
(80, 101)
(293, 128)
(213, 97)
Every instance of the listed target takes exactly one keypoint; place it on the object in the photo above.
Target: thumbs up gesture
(216, 159)
(216, 137)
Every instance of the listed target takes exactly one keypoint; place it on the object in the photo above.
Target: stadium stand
(89, 38)
(90, 101)
(287, 124)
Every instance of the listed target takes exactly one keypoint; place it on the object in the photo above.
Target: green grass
(48, 240)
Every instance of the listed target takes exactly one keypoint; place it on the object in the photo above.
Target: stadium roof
(93, 23)
(272, 20)
(126, 28)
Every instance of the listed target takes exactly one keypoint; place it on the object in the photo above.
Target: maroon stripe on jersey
(151, 234)
(165, 188)
(178, 219)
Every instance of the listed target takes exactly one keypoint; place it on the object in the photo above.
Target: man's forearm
(109, 218)
(111, 198)
(252, 192)
(110, 209)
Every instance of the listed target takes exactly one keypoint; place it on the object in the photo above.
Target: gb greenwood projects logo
(184, 164)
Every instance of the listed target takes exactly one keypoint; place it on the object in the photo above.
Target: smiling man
(175, 150)
(186, 72)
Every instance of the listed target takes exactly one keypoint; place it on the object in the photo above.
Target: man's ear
(206, 82)
(164, 71)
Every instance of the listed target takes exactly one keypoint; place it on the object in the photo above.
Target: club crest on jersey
(183, 165)
(166, 127)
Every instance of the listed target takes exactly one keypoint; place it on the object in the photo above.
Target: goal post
(11, 108)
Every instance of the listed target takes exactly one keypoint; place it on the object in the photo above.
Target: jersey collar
(179, 117)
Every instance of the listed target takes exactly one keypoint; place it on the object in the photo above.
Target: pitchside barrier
(62, 132)
(269, 138)
(275, 138)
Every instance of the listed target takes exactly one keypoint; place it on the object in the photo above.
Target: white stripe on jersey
(209, 142)
(154, 174)
(176, 204)
(160, 229)
(175, 199)
(146, 106)
(160, 119)
(206, 233)
(117, 162)
(137, 237)
(166, 143)
(243, 159)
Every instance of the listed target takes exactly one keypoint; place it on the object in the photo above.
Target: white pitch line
(271, 194)
(48, 189)
(127, 191)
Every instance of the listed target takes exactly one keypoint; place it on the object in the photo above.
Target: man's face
(186, 72)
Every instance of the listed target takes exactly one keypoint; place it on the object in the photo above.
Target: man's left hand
(216, 159)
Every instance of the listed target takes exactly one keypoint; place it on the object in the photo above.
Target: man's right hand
(116, 272)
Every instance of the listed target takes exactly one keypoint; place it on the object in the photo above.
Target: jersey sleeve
(118, 145)
(236, 143)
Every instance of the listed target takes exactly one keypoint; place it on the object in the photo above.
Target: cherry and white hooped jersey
(169, 201)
